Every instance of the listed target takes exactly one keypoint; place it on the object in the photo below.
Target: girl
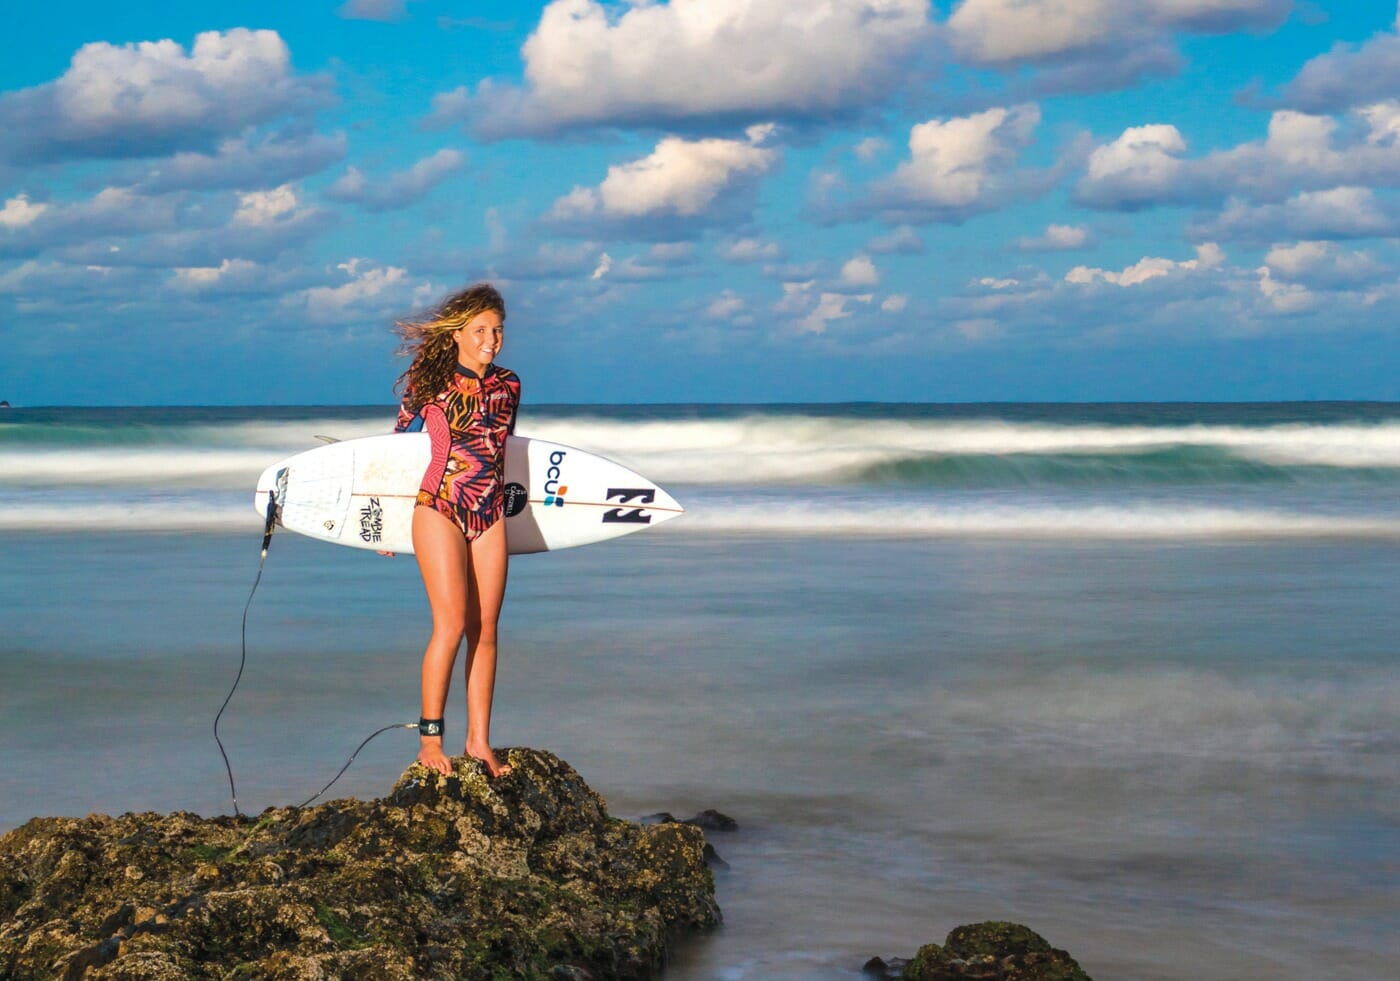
(467, 404)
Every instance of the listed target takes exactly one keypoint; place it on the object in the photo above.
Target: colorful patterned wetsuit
(468, 425)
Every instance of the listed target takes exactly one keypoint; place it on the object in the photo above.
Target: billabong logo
(553, 490)
(634, 496)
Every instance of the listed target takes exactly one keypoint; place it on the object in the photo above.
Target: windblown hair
(430, 342)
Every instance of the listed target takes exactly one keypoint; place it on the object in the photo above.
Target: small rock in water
(991, 951)
(660, 817)
(712, 857)
(712, 820)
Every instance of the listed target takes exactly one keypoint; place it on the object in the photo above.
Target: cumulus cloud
(1349, 75)
(1146, 165)
(587, 63)
(859, 271)
(680, 179)
(746, 250)
(952, 162)
(1139, 167)
(202, 278)
(400, 189)
(1336, 213)
(1208, 256)
(1056, 238)
(894, 303)
(154, 97)
(243, 162)
(19, 211)
(1324, 265)
(1095, 44)
(265, 207)
(901, 240)
(726, 306)
(371, 290)
(957, 167)
(1284, 297)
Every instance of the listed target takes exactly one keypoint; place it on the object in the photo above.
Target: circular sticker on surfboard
(516, 498)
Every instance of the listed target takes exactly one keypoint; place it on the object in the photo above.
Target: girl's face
(479, 341)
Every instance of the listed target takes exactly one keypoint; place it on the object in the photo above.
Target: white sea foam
(923, 520)
(794, 519)
(763, 449)
(750, 449)
(148, 516)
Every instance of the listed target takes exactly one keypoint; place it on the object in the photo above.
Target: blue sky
(705, 200)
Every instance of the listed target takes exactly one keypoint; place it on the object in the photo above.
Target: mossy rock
(447, 876)
(993, 951)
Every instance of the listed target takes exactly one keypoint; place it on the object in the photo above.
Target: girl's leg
(486, 577)
(442, 559)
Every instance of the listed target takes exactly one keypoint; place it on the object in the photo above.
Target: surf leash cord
(269, 526)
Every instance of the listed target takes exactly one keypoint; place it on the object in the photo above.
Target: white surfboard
(361, 492)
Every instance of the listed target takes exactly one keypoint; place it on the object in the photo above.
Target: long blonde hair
(431, 345)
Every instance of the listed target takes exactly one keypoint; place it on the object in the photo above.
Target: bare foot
(430, 755)
(494, 767)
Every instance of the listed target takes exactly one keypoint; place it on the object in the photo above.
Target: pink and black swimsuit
(468, 425)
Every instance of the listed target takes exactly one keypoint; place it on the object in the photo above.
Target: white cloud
(1146, 165)
(245, 163)
(400, 189)
(1323, 264)
(604, 264)
(153, 97)
(859, 271)
(1283, 297)
(830, 307)
(951, 161)
(1015, 31)
(1056, 238)
(1208, 256)
(587, 63)
(1139, 166)
(680, 178)
(958, 167)
(1348, 75)
(869, 148)
(265, 207)
(19, 212)
(194, 277)
(999, 283)
(901, 240)
(726, 305)
(1336, 213)
(746, 250)
(894, 303)
(371, 290)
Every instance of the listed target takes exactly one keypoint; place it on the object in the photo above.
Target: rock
(994, 951)
(712, 820)
(445, 877)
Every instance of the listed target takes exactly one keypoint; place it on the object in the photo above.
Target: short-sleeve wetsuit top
(468, 425)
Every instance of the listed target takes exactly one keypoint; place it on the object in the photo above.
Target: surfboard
(361, 492)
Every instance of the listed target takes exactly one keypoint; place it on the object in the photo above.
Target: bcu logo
(553, 490)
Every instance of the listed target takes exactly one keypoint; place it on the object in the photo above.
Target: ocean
(1125, 673)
